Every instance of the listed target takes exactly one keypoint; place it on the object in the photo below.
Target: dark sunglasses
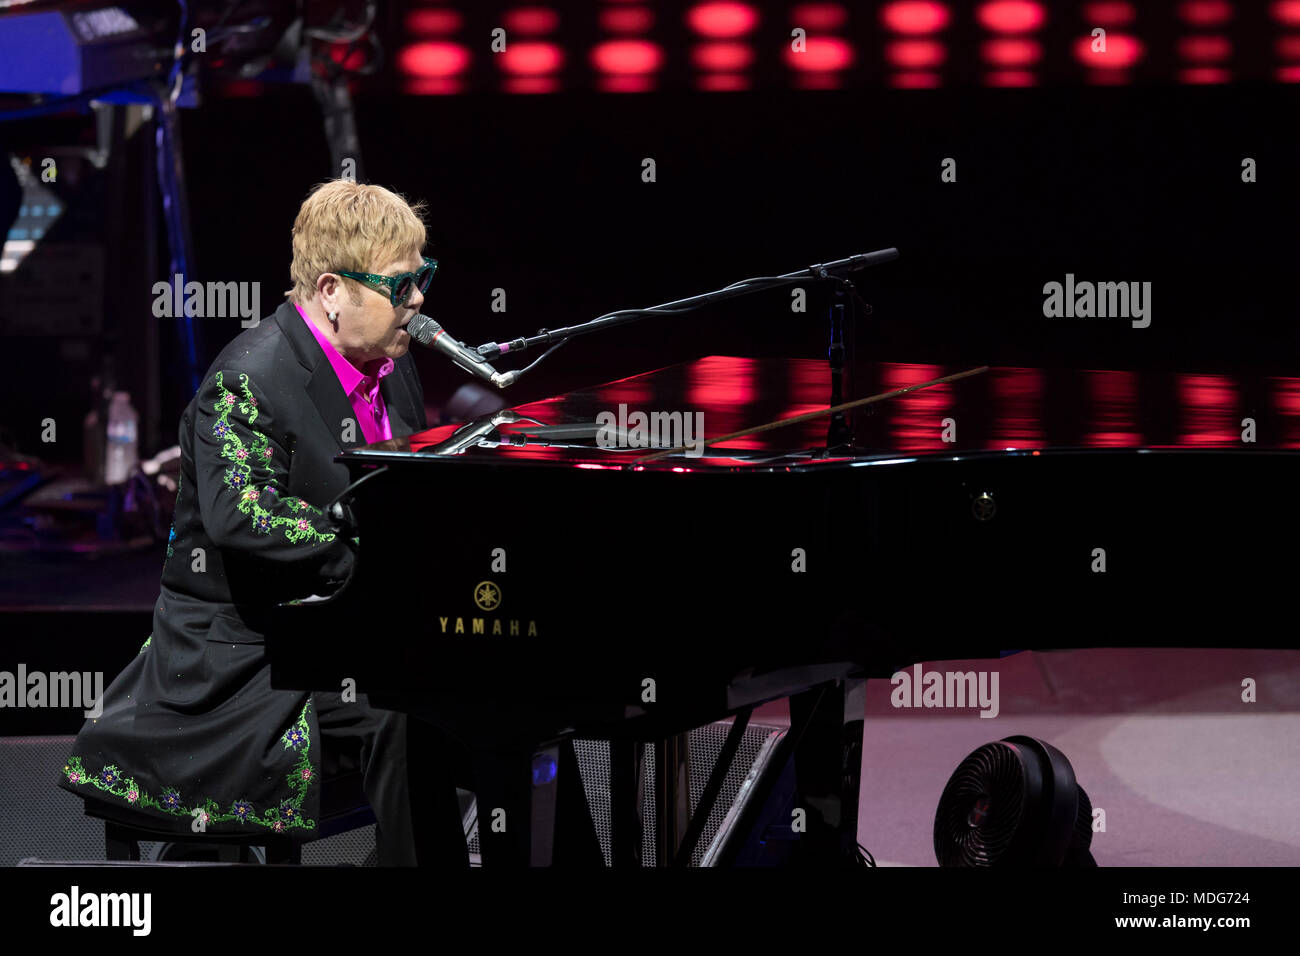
(398, 288)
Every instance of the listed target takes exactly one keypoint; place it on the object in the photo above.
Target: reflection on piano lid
(1005, 409)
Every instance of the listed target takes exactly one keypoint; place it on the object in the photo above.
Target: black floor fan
(1014, 803)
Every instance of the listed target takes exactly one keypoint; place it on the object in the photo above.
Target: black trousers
(407, 774)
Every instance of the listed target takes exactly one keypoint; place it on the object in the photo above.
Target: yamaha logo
(487, 596)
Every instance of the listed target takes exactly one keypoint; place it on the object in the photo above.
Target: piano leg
(532, 809)
(576, 841)
(672, 796)
(626, 773)
(436, 827)
(828, 767)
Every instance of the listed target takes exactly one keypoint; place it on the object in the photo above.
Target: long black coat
(192, 723)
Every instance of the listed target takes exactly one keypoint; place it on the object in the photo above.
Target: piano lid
(1025, 410)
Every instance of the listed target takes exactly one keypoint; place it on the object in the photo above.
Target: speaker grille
(40, 819)
(354, 847)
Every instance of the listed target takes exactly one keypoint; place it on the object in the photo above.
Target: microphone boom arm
(817, 273)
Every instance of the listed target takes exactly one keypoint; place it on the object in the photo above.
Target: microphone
(865, 260)
(430, 334)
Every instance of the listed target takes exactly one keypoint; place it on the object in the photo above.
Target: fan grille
(981, 807)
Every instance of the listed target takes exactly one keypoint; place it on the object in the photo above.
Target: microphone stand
(839, 431)
(825, 271)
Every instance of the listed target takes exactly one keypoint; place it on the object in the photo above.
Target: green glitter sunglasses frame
(395, 286)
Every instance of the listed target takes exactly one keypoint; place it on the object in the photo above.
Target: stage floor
(1187, 773)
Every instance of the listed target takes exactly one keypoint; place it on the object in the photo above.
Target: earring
(333, 316)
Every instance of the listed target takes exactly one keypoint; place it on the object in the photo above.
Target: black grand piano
(553, 588)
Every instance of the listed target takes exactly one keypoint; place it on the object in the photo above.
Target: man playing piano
(192, 736)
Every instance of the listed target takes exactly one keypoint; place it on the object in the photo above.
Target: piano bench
(343, 808)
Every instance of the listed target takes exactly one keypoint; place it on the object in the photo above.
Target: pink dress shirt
(361, 386)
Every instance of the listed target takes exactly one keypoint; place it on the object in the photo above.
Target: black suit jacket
(192, 726)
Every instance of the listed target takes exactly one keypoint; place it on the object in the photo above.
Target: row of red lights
(627, 61)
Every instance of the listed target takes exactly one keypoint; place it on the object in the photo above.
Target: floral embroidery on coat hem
(286, 816)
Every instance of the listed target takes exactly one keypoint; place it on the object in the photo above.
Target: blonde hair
(351, 226)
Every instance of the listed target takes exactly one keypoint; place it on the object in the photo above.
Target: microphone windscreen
(423, 329)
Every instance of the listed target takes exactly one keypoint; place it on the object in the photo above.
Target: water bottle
(122, 452)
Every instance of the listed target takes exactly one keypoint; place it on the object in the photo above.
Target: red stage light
(627, 19)
(433, 85)
(915, 54)
(1011, 16)
(626, 83)
(722, 56)
(1122, 51)
(1204, 75)
(912, 16)
(722, 19)
(1288, 48)
(915, 81)
(531, 58)
(820, 55)
(1287, 11)
(1288, 74)
(1108, 13)
(817, 81)
(1205, 13)
(818, 16)
(530, 21)
(1011, 78)
(722, 82)
(530, 84)
(1204, 48)
(1006, 51)
(433, 59)
(433, 21)
(626, 57)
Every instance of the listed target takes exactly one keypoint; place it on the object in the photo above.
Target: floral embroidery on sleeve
(287, 815)
(250, 475)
